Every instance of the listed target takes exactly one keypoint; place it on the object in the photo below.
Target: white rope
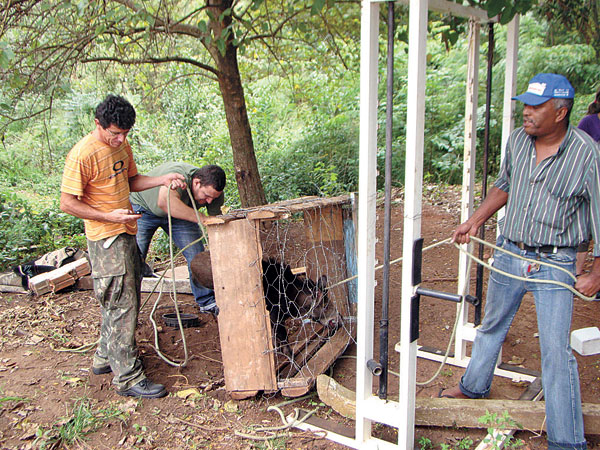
(172, 267)
(535, 261)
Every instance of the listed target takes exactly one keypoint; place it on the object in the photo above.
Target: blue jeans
(554, 307)
(183, 233)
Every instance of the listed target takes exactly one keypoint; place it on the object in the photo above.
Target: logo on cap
(558, 92)
(537, 88)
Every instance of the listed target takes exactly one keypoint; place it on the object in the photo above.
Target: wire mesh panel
(297, 293)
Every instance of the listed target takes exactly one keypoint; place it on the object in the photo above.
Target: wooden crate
(250, 361)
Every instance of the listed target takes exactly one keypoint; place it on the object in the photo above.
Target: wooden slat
(149, 284)
(244, 326)
(263, 214)
(300, 343)
(214, 220)
(301, 357)
(241, 395)
(294, 383)
(326, 355)
(299, 270)
(326, 255)
(275, 210)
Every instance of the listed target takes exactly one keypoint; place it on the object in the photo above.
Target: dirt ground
(42, 385)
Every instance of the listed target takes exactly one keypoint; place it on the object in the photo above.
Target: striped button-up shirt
(556, 202)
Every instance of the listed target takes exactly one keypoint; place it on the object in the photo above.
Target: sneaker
(144, 389)
(101, 370)
(211, 308)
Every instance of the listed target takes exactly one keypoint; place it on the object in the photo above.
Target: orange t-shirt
(99, 176)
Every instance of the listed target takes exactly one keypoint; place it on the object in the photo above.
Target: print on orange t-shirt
(99, 175)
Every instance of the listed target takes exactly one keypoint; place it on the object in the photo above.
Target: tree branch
(153, 60)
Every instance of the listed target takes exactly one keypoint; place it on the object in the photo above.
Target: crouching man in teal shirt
(206, 184)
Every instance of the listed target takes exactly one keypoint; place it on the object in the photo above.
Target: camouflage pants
(116, 271)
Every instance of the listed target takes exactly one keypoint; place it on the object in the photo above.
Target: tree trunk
(244, 159)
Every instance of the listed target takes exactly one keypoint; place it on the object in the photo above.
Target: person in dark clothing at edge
(550, 183)
(206, 185)
(591, 125)
(99, 174)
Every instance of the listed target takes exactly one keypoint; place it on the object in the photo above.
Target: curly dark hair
(594, 107)
(115, 110)
(211, 175)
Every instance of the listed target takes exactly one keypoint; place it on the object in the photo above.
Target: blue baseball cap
(545, 86)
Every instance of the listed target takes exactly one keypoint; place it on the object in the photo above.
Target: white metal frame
(466, 331)
(369, 408)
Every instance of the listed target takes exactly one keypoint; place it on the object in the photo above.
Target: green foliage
(25, 232)
(302, 99)
(83, 420)
(306, 134)
(276, 443)
(425, 443)
(574, 20)
(496, 425)
(465, 444)
(14, 399)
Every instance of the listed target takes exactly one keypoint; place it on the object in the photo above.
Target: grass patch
(84, 419)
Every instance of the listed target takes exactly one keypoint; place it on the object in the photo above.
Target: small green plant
(277, 443)
(425, 443)
(464, 444)
(82, 421)
(140, 431)
(12, 399)
(447, 372)
(497, 428)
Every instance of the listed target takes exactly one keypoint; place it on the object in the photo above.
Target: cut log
(448, 412)
(12, 289)
(60, 278)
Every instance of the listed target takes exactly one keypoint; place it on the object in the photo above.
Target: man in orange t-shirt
(99, 175)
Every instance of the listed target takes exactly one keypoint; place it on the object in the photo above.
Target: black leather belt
(541, 249)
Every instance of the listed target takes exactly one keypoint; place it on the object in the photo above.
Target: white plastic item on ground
(586, 341)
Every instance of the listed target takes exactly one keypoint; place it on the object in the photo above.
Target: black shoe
(147, 271)
(144, 389)
(101, 370)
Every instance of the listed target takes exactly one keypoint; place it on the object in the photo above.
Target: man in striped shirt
(99, 175)
(550, 183)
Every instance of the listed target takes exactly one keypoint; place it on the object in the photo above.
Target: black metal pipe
(439, 294)
(486, 146)
(374, 367)
(384, 322)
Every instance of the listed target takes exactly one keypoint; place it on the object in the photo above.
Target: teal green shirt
(148, 199)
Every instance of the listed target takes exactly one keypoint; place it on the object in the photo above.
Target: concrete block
(586, 341)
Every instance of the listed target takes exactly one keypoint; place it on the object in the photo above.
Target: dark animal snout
(292, 296)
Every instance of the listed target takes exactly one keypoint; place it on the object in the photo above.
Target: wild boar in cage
(287, 296)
